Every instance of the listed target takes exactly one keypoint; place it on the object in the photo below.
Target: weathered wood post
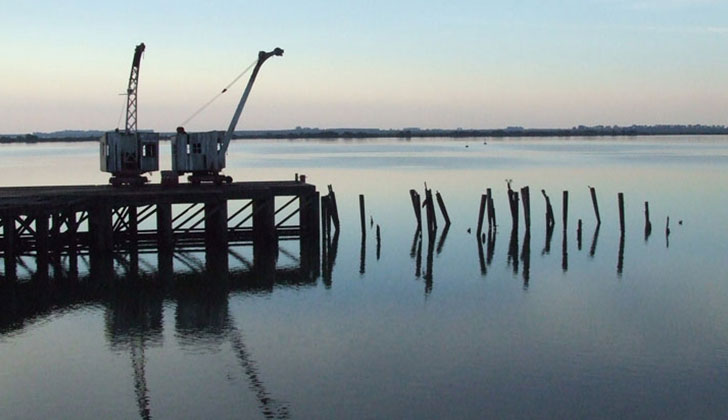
(362, 216)
(325, 221)
(565, 210)
(431, 217)
(549, 211)
(491, 210)
(416, 205)
(379, 242)
(481, 214)
(526, 199)
(593, 192)
(648, 224)
(443, 210)
(620, 199)
(333, 209)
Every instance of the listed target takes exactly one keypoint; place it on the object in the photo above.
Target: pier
(50, 221)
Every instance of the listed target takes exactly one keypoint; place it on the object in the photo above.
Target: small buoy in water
(468, 230)
(485, 142)
(467, 146)
(679, 222)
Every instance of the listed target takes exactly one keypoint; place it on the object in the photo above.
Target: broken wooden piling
(648, 224)
(362, 215)
(481, 214)
(593, 192)
(565, 210)
(443, 210)
(416, 205)
(620, 200)
(526, 200)
(550, 222)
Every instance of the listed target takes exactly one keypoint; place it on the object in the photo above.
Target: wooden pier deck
(53, 220)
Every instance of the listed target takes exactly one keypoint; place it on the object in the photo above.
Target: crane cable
(225, 89)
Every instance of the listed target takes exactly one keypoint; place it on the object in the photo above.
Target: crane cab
(127, 156)
(201, 154)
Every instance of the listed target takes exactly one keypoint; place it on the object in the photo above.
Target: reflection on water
(500, 331)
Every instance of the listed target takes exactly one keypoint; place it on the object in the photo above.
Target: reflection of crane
(129, 154)
(138, 361)
(203, 154)
(271, 408)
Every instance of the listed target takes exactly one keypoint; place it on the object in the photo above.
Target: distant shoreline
(408, 133)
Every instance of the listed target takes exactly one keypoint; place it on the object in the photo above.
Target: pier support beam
(165, 238)
(309, 218)
(9, 231)
(216, 223)
(101, 229)
(42, 245)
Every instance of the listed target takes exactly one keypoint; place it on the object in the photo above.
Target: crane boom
(131, 91)
(262, 56)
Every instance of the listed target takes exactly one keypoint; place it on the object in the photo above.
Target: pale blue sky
(386, 64)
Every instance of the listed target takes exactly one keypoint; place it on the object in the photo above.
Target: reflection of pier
(48, 222)
(133, 303)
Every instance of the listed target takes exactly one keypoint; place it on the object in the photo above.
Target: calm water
(516, 328)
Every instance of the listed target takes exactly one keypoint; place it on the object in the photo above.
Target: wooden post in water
(491, 211)
(333, 209)
(481, 214)
(565, 210)
(620, 199)
(430, 207)
(417, 205)
(549, 211)
(648, 224)
(362, 216)
(379, 242)
(526, 199)
(593, 192)
(443, 210)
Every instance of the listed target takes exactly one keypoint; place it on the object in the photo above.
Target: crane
(128, 154)
(203, 154)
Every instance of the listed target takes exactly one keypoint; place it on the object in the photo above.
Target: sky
(369, 64)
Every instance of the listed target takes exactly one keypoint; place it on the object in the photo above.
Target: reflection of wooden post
(526, 199)
(620, 199)
(595, 204)
(578, 235)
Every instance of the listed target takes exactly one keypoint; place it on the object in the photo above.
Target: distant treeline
(362, 133)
